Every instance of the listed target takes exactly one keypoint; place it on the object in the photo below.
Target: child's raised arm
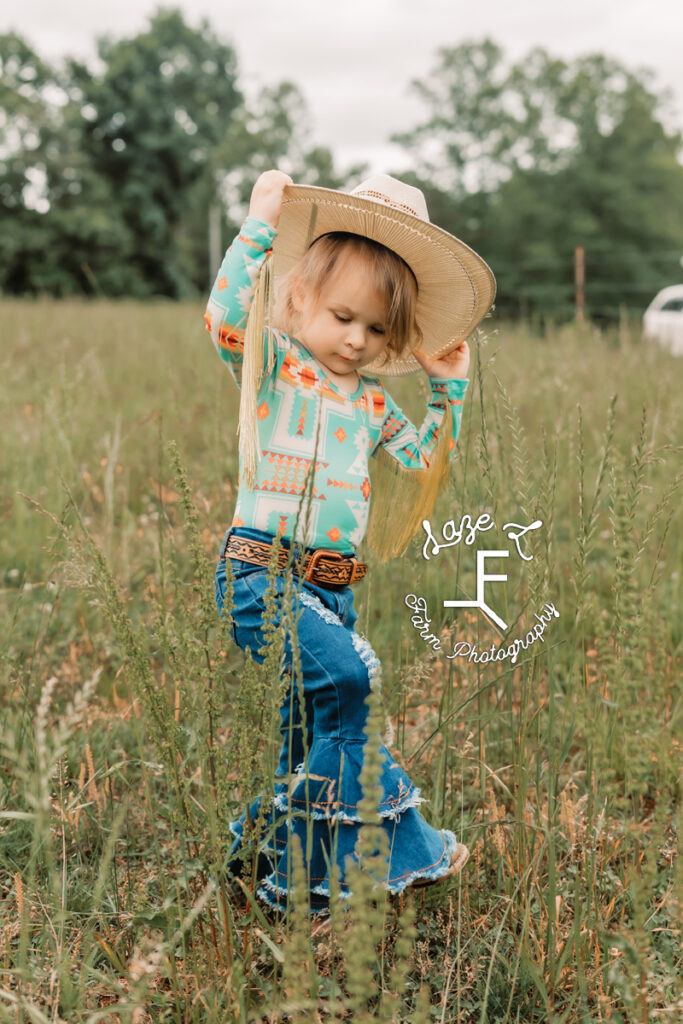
(413, 448)
(228, 307)
(266, 196)
(448, 383)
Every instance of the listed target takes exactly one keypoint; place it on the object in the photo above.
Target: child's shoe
(459, 858)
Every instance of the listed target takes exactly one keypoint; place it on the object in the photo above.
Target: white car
(663, 319)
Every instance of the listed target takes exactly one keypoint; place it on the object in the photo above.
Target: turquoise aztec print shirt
(293, 398)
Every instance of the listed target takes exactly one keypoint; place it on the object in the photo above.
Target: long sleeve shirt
(297, 403)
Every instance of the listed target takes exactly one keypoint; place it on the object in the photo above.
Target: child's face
(344, 326)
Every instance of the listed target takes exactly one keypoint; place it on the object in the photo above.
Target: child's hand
(266, 196)
(454, 365)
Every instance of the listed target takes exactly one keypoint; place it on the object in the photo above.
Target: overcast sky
(354, 59)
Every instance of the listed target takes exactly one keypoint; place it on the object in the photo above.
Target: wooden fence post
(579, 283)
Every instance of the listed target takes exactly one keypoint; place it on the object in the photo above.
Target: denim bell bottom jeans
(339, 669)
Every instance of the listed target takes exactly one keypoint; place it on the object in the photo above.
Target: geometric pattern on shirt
(274, 511)
(343, 484)
(398, 437)
(346, 430)
(294, 426)
(291, 426)
(271, 511)
(298, 373)
(302, 423)
(359, 510)
(361, 442)
(287, 474)
(390, 427)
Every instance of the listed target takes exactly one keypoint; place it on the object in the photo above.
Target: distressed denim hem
(329, 789)
(332, 814)
(438, 871)
(269, 892)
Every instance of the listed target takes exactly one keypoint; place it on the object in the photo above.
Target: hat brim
(455, 286)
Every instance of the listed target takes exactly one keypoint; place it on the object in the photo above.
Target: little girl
(363, 280)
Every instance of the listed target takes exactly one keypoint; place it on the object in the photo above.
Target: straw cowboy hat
(455, 285)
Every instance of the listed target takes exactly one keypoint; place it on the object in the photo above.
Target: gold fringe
(402, 498)
(256, 339)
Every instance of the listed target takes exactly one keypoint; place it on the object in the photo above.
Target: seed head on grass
(517, 445)
(588, 513)
(406, 934)
(87, 568)
(203, 570)
(367, 875)
(252, 750)
(298, 967)
(489, 466)
(422, 1014)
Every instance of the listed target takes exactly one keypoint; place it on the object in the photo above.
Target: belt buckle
(315, 558)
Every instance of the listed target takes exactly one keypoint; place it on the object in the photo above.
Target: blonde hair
(388, 273)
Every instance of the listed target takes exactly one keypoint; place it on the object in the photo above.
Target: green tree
(25, 116)
(60, 230)
(151, 118)
(273, 131)
(108, 175)
(527, 161)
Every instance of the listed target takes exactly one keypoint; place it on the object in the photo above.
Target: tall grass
(133, 730)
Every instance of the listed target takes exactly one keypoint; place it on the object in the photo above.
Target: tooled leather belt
(322, 566)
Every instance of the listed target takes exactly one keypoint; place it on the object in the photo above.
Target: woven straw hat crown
(455, 285)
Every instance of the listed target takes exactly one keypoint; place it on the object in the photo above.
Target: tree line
(109, 172)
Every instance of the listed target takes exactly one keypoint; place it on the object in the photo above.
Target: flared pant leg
(339, 669)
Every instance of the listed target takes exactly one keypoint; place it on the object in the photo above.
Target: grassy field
(131, 730)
